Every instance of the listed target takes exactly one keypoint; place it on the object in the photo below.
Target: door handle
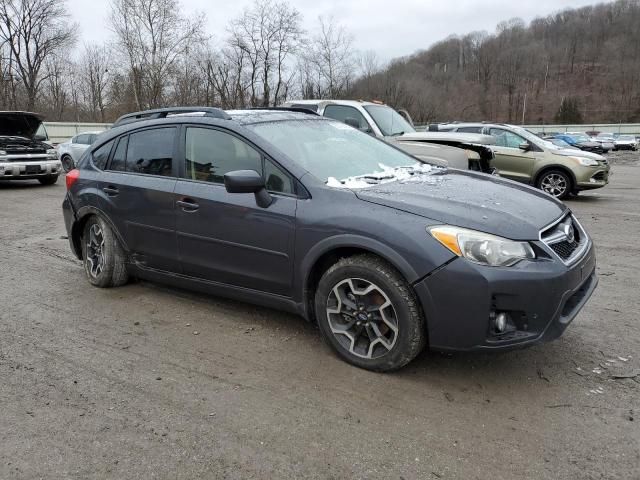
(111, 191)
(187, 205)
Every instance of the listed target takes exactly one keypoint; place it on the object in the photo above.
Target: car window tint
(276, 179)
(151, 152)
(92, 138)
(212, 153)
(118, 162)
(341, 113)
(82, 139)
(469, 129)
(101, 155)
(306, 106)
(505, 138)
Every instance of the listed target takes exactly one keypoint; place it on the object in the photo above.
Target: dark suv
(298, 212)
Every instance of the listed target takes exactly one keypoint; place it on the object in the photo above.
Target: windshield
(580, 138)
(390, 122)
(333, 151)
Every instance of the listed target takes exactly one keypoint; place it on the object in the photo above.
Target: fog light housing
(500, 322)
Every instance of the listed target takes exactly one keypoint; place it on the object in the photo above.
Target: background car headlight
(587, 162)
(3, 153)
(482, 248)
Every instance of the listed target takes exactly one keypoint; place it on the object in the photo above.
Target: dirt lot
(148, 382)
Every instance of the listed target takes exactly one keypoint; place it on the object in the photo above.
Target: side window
(212, 153)
(341, 113)
(118, 162)
(81, 139)
(91, 139)
(276, 179)
(505, 138)
(469, 129)
(151, 152)
(101, 155)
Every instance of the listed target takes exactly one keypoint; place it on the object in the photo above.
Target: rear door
(225, 237)
(510, 160)
(137, 190)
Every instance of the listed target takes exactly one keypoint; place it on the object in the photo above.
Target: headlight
(52, 154)
(587, 162)
(3, 153)
(482, 248)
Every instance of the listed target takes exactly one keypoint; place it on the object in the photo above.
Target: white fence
(622, 128)
(60, 132)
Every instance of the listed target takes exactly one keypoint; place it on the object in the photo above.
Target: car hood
(470, 200)
(567, 152)
(19, 124)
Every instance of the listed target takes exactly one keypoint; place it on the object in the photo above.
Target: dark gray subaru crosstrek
(298, 212)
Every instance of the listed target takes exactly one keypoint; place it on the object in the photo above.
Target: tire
(67, 163)
(556, 183)
(103, 257)
(389, 349)
(48, 180)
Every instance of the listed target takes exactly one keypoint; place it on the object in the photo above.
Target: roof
(461, 137)
(350, 103)
(246, 117)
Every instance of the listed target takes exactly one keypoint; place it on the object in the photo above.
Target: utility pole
(524, 107)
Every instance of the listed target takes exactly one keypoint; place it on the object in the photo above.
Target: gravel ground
(149, 382)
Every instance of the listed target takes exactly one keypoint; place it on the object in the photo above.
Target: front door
(137, 189)
(225, 237)
(511, 161)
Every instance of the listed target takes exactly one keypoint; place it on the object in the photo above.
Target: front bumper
(541, 298)
(588, 178)
(29, 169)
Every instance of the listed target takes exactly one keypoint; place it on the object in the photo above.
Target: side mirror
(526, 146)
(352, 122)
(40, 138)
(248, 181)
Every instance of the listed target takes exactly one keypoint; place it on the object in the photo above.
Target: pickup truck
(457, 150)
(24, 151)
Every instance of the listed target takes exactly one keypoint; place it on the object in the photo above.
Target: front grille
(566, 238)
(564, 249)
(600, 176)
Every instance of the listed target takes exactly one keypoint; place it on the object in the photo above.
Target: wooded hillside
(575, 65)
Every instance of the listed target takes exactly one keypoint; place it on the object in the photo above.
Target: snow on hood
(386, 175)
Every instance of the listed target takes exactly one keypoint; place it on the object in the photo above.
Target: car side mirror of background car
(248, 181)
(526, 146)
(39, 138)
(352, 122)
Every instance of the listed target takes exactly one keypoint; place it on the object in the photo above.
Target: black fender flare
(340, 241)
(76, 230)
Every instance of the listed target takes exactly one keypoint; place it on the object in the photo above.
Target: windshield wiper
(396, 134)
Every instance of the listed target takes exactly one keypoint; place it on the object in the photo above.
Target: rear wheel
(48, 180)
(67, 163)
(103, 257)
(368, 314)
(556, 183)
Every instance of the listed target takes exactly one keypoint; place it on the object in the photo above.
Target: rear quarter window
(101, 155)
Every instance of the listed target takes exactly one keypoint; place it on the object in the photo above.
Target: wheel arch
(83, 216)
(549, 168)
(326, 253)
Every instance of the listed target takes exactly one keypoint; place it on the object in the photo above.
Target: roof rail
(164, 112)
(287, 109)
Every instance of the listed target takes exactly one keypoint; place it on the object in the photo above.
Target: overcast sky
(391, 28)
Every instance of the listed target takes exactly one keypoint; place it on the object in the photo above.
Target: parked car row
(287, 208)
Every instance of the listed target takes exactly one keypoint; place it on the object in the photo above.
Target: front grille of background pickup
(563, 246)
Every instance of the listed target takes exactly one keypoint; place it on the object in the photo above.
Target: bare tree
(34, 30)
(265, 37)
(331, 55)
(95, 76)
(154, 35)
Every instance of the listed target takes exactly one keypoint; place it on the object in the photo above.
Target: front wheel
(103, 257)
(556, 183)
(368, 314)
(48, 180)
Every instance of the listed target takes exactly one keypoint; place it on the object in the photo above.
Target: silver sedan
(70, 152)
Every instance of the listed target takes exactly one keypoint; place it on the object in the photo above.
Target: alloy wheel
(95, 250)
(554, 184)
(362, 318)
